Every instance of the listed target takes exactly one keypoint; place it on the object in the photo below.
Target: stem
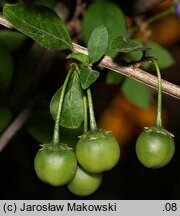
(56, 140)
(85, 114)
(159, 104)
(135, 73)
(170, 10)
(132, 71)
(93, 126)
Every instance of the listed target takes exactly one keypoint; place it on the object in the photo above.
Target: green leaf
(97, 43)
(6, 68)
(114, 78)
(88, 77)
(104, 13)
(135, 55)
(41, 126)
(164, 57)
(137, 92)
(40, 23)
(72, 114)
(81, 57)
(5, 117)
(12, 40)
(125, 45)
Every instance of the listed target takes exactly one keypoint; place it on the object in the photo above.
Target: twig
(14, 127)
(5, 23)
(129, 71)
(168, 11)
(136, 73)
